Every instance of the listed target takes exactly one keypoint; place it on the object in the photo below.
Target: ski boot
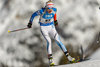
(51, 63)
(71, 59)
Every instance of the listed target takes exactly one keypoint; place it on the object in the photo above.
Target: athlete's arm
(33, 16)
(55, 17)
(55, 20)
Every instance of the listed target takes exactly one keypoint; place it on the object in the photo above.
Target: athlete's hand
(56, 23)
(29, 25)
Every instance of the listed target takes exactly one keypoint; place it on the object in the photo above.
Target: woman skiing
(48, 21)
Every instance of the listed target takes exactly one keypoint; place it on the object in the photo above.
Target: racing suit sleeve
(39, 12)
(55, 17)
(55, 20)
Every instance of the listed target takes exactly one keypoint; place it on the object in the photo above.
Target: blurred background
(79, 25)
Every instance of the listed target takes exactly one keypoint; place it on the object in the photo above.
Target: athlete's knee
(48, 39)
(57, 38)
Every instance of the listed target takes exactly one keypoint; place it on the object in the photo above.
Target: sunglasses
(49, 8)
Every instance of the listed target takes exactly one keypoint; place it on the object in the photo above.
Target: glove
(29, 25)
(56, 23)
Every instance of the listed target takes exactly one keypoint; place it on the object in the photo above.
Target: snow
(96, 55)
(93, 63)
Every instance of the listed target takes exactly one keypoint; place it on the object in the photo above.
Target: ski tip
(9, 31)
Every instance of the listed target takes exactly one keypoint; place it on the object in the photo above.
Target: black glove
(56, 23)
(29, 25)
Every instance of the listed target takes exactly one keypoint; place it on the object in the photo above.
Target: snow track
(93, 63)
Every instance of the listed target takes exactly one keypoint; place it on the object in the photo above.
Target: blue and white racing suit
(47, 28)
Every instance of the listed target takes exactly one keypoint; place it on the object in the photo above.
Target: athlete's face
(49, 10)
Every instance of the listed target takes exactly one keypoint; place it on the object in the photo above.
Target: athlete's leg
(49, 45)
(61, 45)
(47, 38)
(55, 35)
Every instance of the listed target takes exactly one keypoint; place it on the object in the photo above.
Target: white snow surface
(96, 55)
(93, 63)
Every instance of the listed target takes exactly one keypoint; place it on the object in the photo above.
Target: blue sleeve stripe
(39, 12)
(33, 16)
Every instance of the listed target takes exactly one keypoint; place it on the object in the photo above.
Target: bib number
(47, 21)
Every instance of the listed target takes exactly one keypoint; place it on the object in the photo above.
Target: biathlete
(48, 21)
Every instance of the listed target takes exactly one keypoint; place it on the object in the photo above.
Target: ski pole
(17, 30)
